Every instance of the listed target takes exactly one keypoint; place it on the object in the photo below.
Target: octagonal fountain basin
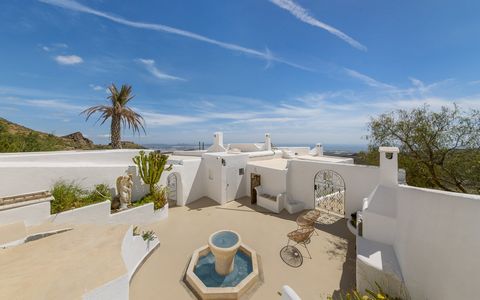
(207, 283)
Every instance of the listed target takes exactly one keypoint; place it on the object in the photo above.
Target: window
(241, 171)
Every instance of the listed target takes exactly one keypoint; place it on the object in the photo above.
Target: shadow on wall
(139, 188)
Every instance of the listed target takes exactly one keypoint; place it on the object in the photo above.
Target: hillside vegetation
(17, 138)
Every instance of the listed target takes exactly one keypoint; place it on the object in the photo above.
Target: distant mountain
(17, 138)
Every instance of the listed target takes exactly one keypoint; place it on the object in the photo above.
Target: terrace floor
(187, 228)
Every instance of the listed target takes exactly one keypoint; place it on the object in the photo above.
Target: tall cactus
(151, 166)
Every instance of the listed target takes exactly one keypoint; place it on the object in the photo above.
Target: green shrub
(100, 193)
(69, 195)
(158, 197)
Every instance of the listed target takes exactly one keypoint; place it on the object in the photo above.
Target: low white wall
(117, 289)
(359, 182)
(437, 243)
(98, 213)
(144, 214)
(134, 251)
(33, 214)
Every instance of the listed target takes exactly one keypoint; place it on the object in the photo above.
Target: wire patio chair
(290, 253)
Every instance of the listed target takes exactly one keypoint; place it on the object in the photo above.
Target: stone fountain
(224, 245)
(224, 269)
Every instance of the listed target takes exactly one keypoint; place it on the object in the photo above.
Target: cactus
(151, 166)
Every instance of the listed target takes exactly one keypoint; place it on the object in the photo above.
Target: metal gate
(172, 189)
(329, 189)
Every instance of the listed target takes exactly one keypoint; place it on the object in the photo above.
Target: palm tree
(119, 112)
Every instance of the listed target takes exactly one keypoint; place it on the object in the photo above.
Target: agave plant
(119, 113)
(370, 295)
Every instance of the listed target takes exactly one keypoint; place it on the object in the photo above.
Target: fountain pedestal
(224, 245)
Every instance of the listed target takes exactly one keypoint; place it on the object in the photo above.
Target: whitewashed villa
(417, 243)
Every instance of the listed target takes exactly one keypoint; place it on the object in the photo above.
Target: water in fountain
(205, 270)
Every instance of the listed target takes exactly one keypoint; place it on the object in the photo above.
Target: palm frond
(132, 120)
(106, 112)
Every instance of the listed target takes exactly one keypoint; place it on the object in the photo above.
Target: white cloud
(149, 64)
(68, 59)
(303, 15)
(75, 6)
(96, 87)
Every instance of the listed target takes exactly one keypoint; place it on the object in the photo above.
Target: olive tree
(439, 149)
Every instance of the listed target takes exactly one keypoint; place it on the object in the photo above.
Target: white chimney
(388, 166)
(268, 142)
(217, 143)
(319, 149)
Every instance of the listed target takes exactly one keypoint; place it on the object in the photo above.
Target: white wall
(28, 172)
(273, 181)
(98, 213)
(213, 177)
(98, 156)
(359, 182)
(190, 180)
(437, 243)
(32, 214)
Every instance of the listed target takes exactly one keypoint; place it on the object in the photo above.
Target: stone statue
(124, 190)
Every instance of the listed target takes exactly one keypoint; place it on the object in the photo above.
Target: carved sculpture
(124, 190)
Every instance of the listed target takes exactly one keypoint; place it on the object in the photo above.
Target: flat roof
(325, 158)
(275, 163)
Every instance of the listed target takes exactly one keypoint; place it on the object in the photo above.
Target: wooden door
(254, 182)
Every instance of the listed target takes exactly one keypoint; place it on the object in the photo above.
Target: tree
(119, 112)
(438, 149)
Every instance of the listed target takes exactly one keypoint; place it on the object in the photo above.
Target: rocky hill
(17, 138)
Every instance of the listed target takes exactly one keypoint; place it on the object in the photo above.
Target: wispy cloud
(304, 15)
(154, 119)
(55, 104)
(149, 64)
(78, 7)
(97, 87)
(367, 79)
(68, 59)
(53, 47)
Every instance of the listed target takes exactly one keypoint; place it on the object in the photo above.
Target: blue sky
(304, 70)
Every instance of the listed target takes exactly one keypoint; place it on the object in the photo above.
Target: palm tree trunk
(115, 134)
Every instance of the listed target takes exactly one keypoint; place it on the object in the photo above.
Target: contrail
(75, 6)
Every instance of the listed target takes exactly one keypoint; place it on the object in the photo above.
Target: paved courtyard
(331, 268)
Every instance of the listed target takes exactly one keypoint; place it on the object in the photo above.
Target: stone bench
(270, 202)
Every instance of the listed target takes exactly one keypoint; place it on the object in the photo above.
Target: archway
(329, 190)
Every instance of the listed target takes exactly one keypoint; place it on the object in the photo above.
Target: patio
(331, 268)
